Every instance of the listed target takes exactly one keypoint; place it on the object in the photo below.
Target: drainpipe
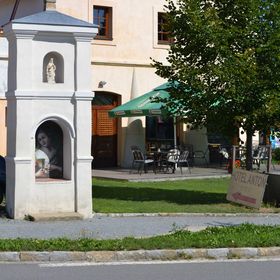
(175, 132)
(14, 10)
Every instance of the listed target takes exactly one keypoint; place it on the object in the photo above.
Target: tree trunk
(249, 150)
(235, 139)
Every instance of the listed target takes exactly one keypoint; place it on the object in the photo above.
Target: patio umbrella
(145, 105)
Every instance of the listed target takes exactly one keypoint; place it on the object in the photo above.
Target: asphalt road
(207, 270)
(103, 227)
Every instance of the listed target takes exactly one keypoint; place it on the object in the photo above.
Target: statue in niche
(50, 70)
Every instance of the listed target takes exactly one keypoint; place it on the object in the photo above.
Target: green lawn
(189, 196)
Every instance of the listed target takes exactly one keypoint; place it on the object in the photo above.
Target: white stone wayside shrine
(49, 115)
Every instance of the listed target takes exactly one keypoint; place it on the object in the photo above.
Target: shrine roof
(53, 18)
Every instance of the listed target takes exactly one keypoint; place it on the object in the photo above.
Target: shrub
(276, 154)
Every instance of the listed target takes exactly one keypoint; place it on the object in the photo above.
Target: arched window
(53, 68)
(49, 151)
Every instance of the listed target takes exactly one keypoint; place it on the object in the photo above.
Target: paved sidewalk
(213, 171)
(118, 226)
(122, 225)
(125, 174)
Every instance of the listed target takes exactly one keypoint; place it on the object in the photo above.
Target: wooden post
(235, 140)
(233, 156)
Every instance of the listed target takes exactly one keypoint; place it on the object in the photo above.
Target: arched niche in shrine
(53, 146)
(53, 68)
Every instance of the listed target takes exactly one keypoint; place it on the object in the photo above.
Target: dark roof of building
(53, 18)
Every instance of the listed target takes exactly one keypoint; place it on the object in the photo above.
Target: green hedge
(276, 154)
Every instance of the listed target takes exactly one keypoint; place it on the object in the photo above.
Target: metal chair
(140, 161)
(188, 147)
(172, 160)
(260, 155)
(183, 160)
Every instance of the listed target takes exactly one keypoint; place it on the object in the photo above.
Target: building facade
(130, 34)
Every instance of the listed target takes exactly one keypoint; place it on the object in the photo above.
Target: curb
(183, 178)
(140, 255)
(100, 215)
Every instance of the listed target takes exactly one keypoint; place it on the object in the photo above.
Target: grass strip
(244, 235)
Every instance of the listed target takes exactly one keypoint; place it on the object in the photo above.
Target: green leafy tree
(228, 53)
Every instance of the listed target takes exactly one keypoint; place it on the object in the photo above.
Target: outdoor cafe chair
(139, 161)
(260, 155)
(183, 160)
(175, 159)
(172, 160)
(188, 147)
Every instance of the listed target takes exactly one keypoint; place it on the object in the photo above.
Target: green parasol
(147, 105)
(144, 105)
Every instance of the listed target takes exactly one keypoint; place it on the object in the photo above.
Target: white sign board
(247, 188)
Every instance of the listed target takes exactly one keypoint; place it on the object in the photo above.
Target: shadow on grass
(150, 194)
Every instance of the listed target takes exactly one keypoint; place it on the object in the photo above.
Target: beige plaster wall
(3, 88)
(128, 82)
(134, 29)
(76, 8)
(134, 33)
(124, 62)
(3, 130)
